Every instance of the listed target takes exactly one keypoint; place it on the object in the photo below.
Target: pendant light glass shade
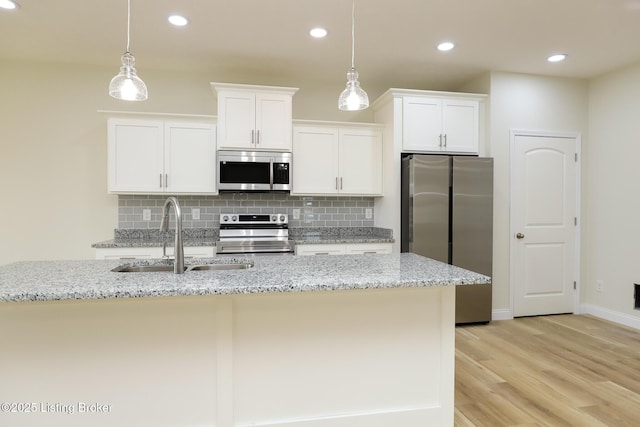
(127, 85)
(353, 97)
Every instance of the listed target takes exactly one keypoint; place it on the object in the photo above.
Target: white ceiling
(395, 39)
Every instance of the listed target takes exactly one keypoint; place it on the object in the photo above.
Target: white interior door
(543, 222)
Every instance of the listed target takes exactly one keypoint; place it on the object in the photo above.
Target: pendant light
(353, 97)
(127, 85)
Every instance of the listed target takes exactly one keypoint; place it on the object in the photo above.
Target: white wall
(612, 228)
(525, 102)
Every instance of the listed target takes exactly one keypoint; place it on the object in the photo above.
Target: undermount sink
(142, 268)
(238, 266)
(128, 268)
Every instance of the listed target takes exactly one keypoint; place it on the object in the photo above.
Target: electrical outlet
(599, 286)
(146, 214)
(296, 214)
(195, 213)
(368, 213)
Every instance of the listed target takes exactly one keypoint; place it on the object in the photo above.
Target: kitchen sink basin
(128, 268)
(234, 266)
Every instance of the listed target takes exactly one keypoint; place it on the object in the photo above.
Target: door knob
(520, 236)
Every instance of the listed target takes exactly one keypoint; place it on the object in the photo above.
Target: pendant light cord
(128, 23)
(353, 33)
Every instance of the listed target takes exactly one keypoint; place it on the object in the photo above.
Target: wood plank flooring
(564, 370)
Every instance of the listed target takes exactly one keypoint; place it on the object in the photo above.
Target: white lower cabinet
(344, 249)
(153, 252)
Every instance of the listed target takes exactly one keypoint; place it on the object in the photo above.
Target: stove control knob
(234, 218)
(274, 218)
(281, 218)
(225, 218)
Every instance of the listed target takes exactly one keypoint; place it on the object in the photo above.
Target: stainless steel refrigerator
(447, 215)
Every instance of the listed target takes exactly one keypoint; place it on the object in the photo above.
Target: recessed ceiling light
(445, 46)
(8, 4)
(318, 32)
(178, 21)
(557, 58)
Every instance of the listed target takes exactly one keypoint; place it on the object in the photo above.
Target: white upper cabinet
(156, 156)
(360, 161)
(189, 157)
(335, 159)
(135, 156)
(254, 117)
(316, 151)
(435, 124)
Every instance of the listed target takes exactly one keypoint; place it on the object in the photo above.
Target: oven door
(244, 171)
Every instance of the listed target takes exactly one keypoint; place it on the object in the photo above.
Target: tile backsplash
(315, 211)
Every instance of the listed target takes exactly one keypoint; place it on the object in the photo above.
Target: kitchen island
(359, 340)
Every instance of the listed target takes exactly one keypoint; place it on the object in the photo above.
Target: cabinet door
(360, 161)
(191, 252)
(190, 158)
(236, 119)
(135, 156)
(421, 124)
(128, 253)
(315, 160)
(368, 248)
(273, 122)
(460, 123)
(307, 250)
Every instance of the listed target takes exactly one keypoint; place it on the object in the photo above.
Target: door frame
(514, 133)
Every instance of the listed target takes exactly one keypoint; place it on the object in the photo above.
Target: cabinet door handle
(440, 145)
(160, 180)
(370, 253)
(166, 180)
(321, 253)
(341, 183)
(253, 138)
(336, 182)
(258, 136)
(445, 140)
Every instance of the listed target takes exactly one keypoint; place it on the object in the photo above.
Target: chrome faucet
(178, 266)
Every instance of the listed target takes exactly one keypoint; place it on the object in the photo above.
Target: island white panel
(367, 358)
(151, 361)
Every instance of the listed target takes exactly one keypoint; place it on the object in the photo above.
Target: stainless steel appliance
(447, 215)
(254, 171)
(254, 234)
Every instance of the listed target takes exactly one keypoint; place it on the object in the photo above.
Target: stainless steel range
(257, 234)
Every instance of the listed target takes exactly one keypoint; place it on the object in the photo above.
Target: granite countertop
(93, 279)
(144, 238)
(138, 238)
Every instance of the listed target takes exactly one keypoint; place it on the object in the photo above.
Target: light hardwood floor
(565, 370)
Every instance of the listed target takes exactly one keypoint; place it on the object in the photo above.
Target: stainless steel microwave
(254, 171)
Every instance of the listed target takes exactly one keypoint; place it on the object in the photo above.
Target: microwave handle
(271, 173)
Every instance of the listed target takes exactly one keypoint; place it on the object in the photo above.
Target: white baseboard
(501, 314)
(614, 316)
